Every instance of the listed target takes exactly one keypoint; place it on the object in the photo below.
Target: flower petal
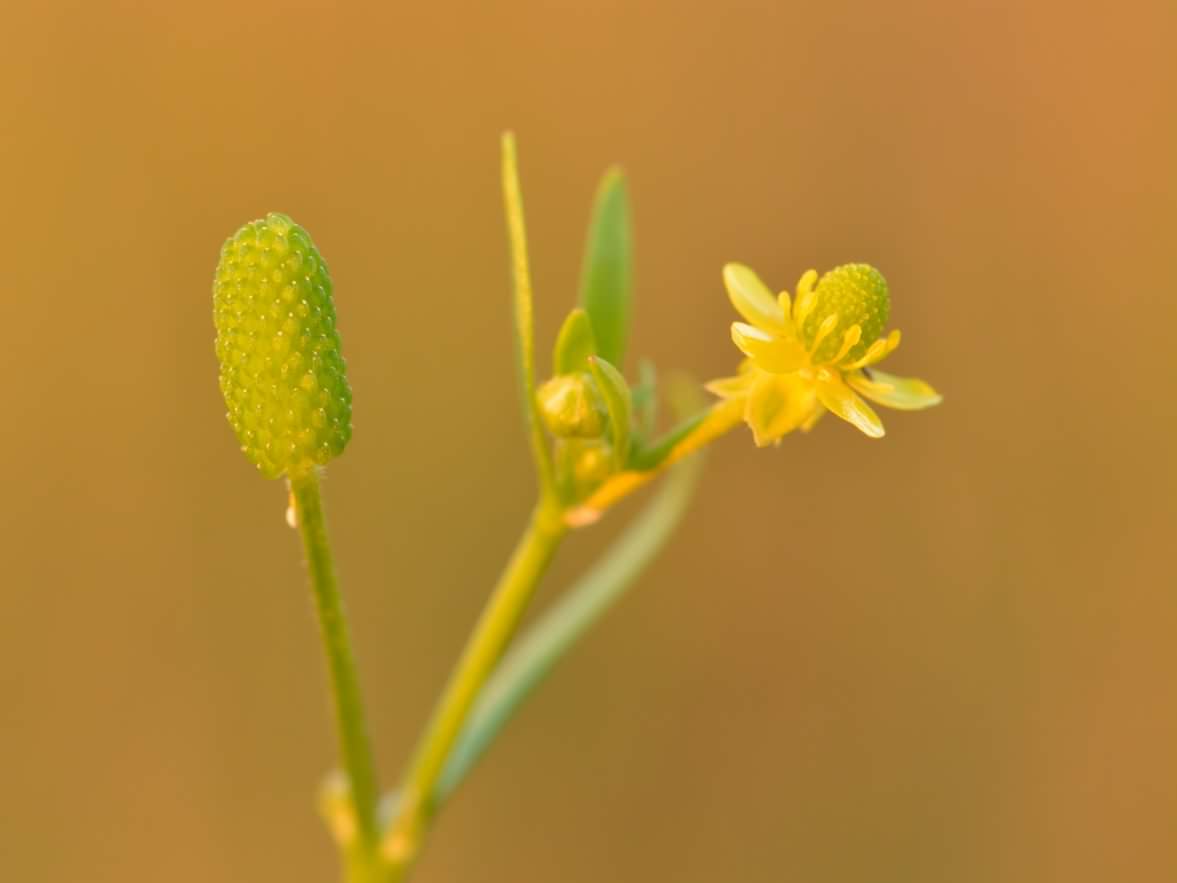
(844, 402)
(811, 420)
(806, 298)
(752, 299)
(902, 393)
(786, 303)
(777, 404)
(774, 354)
(730, 387)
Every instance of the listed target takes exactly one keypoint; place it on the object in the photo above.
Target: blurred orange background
(948, 655)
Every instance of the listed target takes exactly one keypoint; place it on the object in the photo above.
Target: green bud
(571, 406)
(282, 372)
(857, 294)
(593, 464)
(582, 464)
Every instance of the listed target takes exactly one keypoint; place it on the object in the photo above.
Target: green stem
(498, 623)
(354, 746)
(551, 636)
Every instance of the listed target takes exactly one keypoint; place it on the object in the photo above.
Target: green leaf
(575, 344)
(651, 457)
(523, 310)
(606, 277)
(536, 651)
(618, 402)
(685, 398)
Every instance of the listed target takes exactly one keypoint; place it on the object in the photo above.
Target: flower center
(853, 294)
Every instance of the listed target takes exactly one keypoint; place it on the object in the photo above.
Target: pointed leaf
(619, 403)
(651, 457)
(606, 278)
(575, 344)
(523, 308)
(537, 651)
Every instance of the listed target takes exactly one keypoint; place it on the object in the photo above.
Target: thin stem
(723, 417)
(354, 747)
(499, 620)
(550, 637)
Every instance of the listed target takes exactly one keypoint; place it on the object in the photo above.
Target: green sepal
(606, 278)
(618, 402)
(645, 401)
(581, 465)
(650, 457)
(575, 344)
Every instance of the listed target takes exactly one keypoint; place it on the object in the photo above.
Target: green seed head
(857, 294)
(282, 372)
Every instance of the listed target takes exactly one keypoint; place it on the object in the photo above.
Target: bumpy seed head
(857, 295)
(282, 372)
(571, 406)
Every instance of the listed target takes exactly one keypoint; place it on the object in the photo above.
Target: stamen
(878, 351)
(806, 298)
(785, 304)
(849, 341)
(828, 324)
(889, 346)
(873, 353)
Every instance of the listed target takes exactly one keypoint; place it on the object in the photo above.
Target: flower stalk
(495, 628)
(354, 745)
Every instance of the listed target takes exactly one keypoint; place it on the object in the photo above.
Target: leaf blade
(524, 311)
(575, 344)
(537, 651)
(619, 403)
(606, 280)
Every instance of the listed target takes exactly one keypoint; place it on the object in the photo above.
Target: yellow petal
(774, 354)
(730, 387)
(806, 297)
(777, 404)
(902, 393)
(752, 299)
(785, 303)
(844, 402)
(811, 420)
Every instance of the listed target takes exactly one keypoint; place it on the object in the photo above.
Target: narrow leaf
(619, 403)
(557, 631)
(523, 309)
(651, 457)
(574, 344)
(606, 278)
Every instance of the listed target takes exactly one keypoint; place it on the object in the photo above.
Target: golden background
(946, 656)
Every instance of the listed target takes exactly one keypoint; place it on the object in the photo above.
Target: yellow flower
(814, 353)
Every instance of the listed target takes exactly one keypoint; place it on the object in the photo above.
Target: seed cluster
(857, 293)
(282, 371)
